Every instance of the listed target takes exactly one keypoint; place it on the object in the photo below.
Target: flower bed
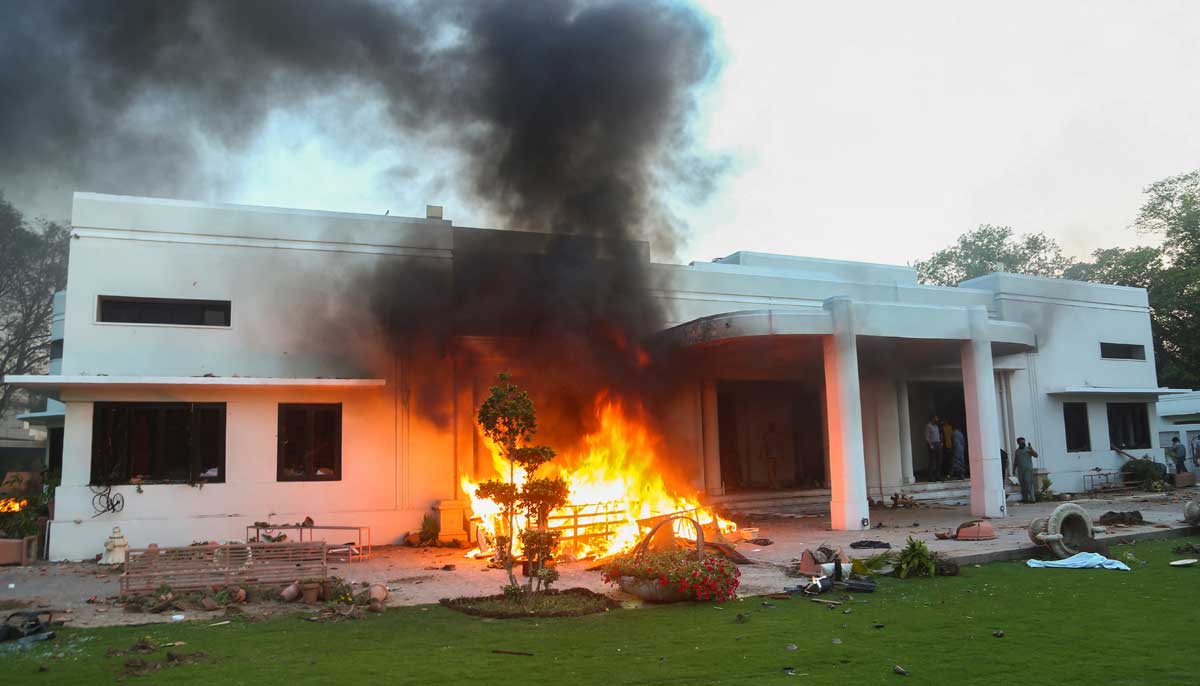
(674, 575)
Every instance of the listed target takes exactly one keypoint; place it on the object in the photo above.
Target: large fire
(12, 504)
(617, 487)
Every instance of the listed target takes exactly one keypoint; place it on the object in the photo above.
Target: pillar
(983, 420)
(847, 467)
(906, 456)
(712, 438)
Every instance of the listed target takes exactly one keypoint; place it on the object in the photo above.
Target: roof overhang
(1109, 391)
(67, 382)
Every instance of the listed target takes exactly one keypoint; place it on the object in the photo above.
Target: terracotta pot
(311, 592)
(651, 591)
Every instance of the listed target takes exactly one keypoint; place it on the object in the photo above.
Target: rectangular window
(1122, 351)
(158, 442)
(164, 311)
(1075, 418)
(310, 442)
(56, 349)
(1128, 426)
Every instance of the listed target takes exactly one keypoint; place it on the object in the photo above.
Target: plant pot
(290, 593)
(651, 591)
(311, 592)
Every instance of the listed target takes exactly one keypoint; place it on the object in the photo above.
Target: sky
(874, 131)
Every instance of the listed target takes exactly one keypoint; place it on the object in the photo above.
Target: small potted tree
(509, 419)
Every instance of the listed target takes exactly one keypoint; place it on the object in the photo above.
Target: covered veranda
(831, 386)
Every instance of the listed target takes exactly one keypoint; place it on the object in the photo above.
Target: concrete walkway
(416, 575)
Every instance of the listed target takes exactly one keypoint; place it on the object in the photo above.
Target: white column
(848, 485)
(983, 420)
(712, 438)
(906, 468)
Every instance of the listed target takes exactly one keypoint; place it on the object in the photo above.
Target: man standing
(958, 446)
(1023, 458)
(1196, 450)
(1179, 453)
(772, 454)
(933, 439)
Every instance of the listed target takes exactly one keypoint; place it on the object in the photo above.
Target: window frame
(121, 432)
(1087, 428)
(225, 305)
(1143, 411)
(312, 410)
(1137, 351)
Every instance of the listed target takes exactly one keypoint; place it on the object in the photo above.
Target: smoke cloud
(564, 118)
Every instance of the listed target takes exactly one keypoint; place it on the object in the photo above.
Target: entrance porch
(831, 404)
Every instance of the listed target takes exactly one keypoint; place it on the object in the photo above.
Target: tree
(1137, 267)
(507, 416)
(989, 249)
(33, 265)
(1172, 210)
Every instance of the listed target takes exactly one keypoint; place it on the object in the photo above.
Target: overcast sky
(873, 131)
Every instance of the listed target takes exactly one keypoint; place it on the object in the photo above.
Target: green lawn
(1061, 626)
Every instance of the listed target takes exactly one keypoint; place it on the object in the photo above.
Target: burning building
(231, 364)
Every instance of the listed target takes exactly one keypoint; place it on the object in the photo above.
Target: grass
(1062, 626)
(569, 603)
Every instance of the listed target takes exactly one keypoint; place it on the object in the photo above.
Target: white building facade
(195, 389)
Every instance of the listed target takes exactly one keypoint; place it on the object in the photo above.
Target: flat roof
(67, 381)
(1116, 390)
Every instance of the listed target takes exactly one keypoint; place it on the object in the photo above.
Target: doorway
(772, 435)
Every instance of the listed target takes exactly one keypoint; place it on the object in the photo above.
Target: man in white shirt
(933, 439)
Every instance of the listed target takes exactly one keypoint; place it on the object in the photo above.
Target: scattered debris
(760, 541)
(741, 618)
(1184, 563)
(1186, 548)
(900, 500)
(512, 652)
(1133, 518)
(868, 543)
(998, 634)
(877, 625)
(790, 671)
(223, 623)
(1083, 561)
(792, 646)
(837, 641)
(900, 670)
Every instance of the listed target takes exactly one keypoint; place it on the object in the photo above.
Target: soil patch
(573, 602)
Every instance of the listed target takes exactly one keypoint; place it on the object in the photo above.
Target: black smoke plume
(565, 118)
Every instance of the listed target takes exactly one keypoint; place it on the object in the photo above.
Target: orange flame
(12, 504)
(617, 488)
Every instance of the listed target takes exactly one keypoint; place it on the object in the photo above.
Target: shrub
(1145, 471)
(712, 578)
(916, 560)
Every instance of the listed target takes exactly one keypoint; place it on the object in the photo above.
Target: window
(1128, 425)
(158, 442)
(56, 349)
(1075, 418)
(1122, 351)
(310, 442)
(164, 311)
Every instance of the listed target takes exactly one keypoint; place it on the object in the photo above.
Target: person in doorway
(1024, 463)
(1179, 453)
(958, 446)
(772, 454)
(933, 439)
(1196, 451)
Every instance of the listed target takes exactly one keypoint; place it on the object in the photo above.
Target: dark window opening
(1128, 426)
(158, 442)
(56, 349)
(1075, 417)
(164, 311)
(310, 442)
(1122, 351)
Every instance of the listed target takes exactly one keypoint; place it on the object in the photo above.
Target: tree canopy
(987, 249)
(33, 265)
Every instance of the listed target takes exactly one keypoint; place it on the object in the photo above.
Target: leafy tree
(1137, 267)
(33, 265)
(509, 419)
(989, 249)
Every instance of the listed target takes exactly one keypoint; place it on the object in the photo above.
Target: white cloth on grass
(1081, 561)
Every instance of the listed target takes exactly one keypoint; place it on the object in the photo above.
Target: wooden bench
(198, 567)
